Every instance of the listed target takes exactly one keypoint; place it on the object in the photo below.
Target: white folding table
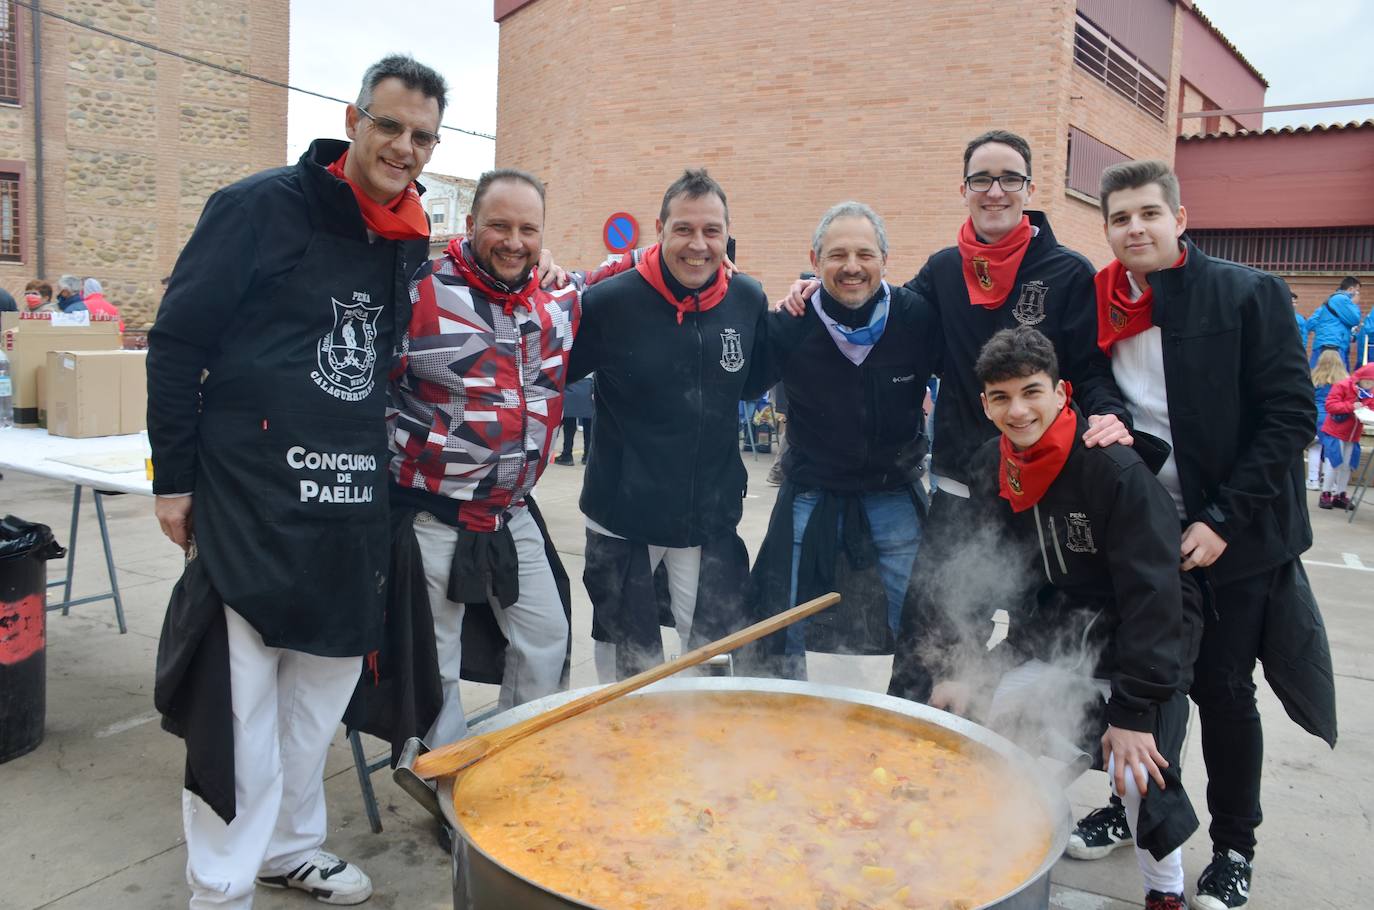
(109, 465)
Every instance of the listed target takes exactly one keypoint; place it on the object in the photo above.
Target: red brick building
(794, 107)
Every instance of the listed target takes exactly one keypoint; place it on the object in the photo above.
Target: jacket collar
(1170, 285)
(330, 201)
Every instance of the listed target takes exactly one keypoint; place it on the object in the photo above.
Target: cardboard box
(28, 340)
(96, 393)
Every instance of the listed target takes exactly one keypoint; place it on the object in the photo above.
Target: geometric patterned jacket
(478, 390)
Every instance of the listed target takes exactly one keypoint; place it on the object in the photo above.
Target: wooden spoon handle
(455, 757)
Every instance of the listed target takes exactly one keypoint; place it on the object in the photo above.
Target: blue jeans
(896, 533)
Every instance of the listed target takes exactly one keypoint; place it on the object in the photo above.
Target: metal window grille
(9, 54)
(1344, 249)
(1087, 159)
(1118, 69)
(9, 218)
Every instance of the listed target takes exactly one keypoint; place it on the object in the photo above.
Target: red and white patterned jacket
(478, 390)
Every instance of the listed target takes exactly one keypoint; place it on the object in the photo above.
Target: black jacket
(1240, 408)
(665, 467)
(283, 299)
(1099, 557)
(1053, 292)
(855, 428)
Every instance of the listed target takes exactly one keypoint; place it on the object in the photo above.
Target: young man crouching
(1102, 606)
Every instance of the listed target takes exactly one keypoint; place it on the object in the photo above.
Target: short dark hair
(1349, 282)
(413, 74)
(1005, 137)
(504, 173)
(693, 184)
(1015, 353)
(1130, 175)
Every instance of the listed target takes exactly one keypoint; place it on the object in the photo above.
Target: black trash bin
(25, 548)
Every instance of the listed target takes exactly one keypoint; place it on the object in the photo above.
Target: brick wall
(870, 101)
(134, 141)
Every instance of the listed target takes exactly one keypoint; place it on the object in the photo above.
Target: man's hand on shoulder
(795, 301)
(1201, 546)
(551, 275)
(1105, 430)
(174, 517)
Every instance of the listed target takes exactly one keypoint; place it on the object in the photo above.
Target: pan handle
(418, 788)
(1072, 770)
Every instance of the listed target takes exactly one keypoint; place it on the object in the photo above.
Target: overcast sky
(1308, 52)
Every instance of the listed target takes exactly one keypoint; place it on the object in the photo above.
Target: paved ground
(91, 819)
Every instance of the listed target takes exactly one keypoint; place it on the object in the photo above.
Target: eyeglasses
(1010, 183)
(421, 139)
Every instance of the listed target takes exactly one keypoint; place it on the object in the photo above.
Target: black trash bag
(25, 538)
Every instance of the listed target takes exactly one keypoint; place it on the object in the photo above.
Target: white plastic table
(109, 465)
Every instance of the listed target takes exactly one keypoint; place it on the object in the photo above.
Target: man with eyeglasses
(267, 389)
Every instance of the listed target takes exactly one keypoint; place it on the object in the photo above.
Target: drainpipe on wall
(39, 246)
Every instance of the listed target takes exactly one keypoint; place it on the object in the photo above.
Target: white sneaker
(326, 878)
(1313, 484)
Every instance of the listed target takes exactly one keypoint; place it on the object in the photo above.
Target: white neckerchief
(854, 353)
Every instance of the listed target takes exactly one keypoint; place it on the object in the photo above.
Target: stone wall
(135, 141)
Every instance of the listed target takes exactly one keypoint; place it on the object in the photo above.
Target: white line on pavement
(1352, 560)
(127, 724)
(1337, 565)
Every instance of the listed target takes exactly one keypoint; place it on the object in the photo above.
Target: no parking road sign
(621, 232)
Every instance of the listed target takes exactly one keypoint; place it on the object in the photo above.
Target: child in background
(1328, 371)
(1340, 434)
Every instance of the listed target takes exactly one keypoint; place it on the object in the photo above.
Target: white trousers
(287, 706)
(534, 626)
(1337, 480)
(1314, 462)
(684, 569)
(1052, 699)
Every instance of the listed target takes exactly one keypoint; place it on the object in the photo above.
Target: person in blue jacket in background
(1332, 324)
(1302, 322)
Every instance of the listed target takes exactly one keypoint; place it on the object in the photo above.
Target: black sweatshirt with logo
(665, 465)
(1054, 293)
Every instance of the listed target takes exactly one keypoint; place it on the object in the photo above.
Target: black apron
(291, 509)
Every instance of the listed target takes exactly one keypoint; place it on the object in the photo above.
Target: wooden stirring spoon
(455, 757)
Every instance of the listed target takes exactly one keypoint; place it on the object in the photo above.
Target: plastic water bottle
(6, 393)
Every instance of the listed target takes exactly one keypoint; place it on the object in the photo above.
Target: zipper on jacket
(701, 417)
(1054, 536)
(524, 411)
(1040, 531)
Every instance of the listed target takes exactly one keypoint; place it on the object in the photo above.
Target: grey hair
(413, 74)
(69, 283)
(91, 286)
(850, 209)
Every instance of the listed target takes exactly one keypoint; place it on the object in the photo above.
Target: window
(1088, 158)
(1119, 69)
(9, 54)
(438, 212)
(9, 217)
(1347, 249)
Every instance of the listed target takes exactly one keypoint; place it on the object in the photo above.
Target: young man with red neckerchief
(1098, 606)
(267, 388)
(1202, 350)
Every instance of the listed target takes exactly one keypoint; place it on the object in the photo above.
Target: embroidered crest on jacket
(731, 353)
(1080, 534)
(1030, 306)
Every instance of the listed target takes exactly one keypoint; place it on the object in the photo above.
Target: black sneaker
(565, 458)
(1100, 832)
(1224, 884)
(1164, 900)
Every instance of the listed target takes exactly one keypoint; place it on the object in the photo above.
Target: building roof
(449, 177)
(1227, 43)
(1283, 131)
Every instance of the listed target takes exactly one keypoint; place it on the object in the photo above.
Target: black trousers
(570, 429)
(1224, 690)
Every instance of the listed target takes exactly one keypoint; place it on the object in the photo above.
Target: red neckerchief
(990, 268)
(401, 218)
(460, 251)
(1023, 477)
(1118, 316)
(650, 265)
